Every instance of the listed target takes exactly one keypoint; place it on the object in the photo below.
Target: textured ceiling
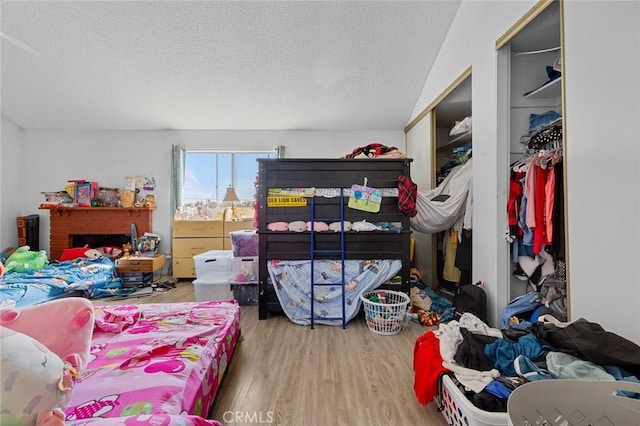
(240, 65)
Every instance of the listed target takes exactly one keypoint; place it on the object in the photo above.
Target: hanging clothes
(549, 193)
(451, 272)
(557, 217)
(539, 237)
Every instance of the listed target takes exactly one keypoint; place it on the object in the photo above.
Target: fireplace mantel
(65, 222)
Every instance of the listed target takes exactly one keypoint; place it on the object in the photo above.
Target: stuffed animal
(76, 252)
(278, 226)
(297, 226)
(337, 226)
(420, 299)
(317, 226)
(364, 226)
(36, 384)
(25, 260)
(65, 326)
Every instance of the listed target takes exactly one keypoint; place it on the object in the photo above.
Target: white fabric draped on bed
(291, 280)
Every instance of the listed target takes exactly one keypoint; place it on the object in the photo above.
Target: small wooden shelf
(459, 140)
(549, 90)
(95, 208)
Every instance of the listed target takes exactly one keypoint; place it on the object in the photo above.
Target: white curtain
(177, 179)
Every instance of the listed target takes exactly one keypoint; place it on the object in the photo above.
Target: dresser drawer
(198, 228)
(139, 264)
(189, 247)
(241, 225)
(184, 267)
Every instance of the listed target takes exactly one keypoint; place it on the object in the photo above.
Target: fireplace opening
(97, 241)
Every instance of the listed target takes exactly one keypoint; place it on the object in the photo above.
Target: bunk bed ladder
(340, 251)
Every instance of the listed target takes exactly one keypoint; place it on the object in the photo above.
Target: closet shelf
(458, 140)
(549, 90)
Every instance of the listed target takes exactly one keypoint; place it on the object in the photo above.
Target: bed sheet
(293, 286)
(91, 278)
(162, 361)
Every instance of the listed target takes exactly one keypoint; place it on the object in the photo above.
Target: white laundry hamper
(459, 411)
(387, 315)
(574, 402)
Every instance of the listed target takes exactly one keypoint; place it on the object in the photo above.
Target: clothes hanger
(515, 166)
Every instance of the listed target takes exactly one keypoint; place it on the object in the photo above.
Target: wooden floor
(286, 374)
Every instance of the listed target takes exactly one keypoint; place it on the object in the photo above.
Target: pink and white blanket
(155, 364)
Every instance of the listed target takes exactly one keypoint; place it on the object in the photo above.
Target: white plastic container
(214, 266)
(574, 402)
(244, 243)
(245, 293)
(212, 290)
(245, 269)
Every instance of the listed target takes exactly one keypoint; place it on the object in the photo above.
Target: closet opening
(440, 139)
(452, 157)
(531, 145)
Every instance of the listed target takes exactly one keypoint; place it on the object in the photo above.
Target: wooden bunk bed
(329, 173)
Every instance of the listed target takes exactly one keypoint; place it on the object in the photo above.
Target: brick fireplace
(65, 223)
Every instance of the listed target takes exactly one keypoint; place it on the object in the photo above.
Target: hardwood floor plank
(287, 374)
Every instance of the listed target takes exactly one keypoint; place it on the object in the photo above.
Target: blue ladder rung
(329, 318)
(328, 219)
(341, 252)
(327, 251)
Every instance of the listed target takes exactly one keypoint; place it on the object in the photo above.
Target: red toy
(74, 253)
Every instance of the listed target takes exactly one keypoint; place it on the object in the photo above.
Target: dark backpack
(470, 298)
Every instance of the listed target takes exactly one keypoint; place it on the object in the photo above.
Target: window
(208, 174)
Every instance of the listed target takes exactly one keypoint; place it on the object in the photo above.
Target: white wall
(603, 162)
(602, 155)
(53, 157)
(12, 182)
(471, 42)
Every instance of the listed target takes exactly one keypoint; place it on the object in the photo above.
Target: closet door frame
(418, 147)
(503, 58)
(431, 110)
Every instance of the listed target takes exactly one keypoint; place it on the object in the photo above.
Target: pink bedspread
(156, 364)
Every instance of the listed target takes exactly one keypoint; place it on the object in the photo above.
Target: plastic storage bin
(244, 269)
(459, 411)
(212, 290)
(244, 243)
(214, 266)
(245, 293)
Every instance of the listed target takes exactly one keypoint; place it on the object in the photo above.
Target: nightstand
(138, 270)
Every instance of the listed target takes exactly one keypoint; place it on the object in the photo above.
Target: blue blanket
(90, 277)
(292, 282)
